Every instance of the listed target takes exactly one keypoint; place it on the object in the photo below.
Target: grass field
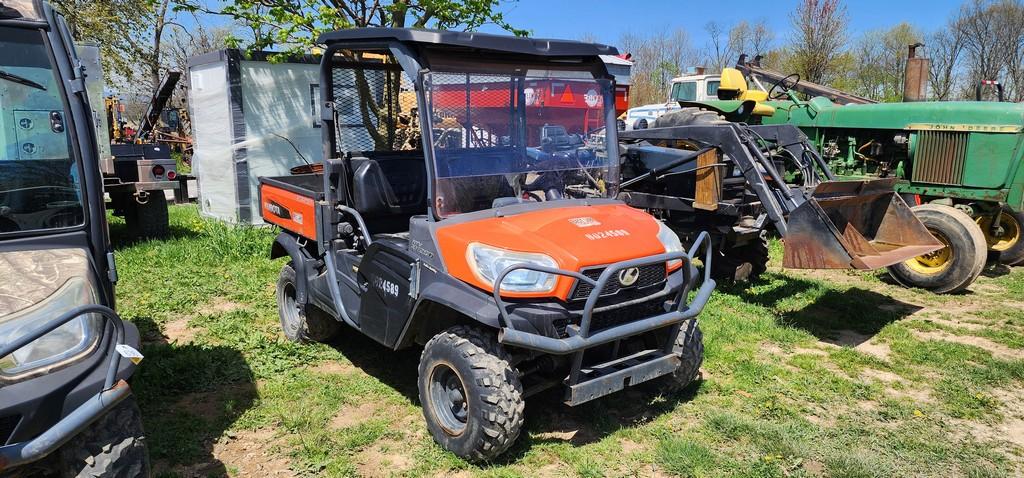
(806, 374)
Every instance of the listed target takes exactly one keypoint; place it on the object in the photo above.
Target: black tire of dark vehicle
(690, 348)
(471, 395)
(113, 446)
(951, 269)
(742, 263)
(688, 116)
(148, 220)
(303, 324)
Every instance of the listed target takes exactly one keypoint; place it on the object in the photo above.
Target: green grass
(778, 399)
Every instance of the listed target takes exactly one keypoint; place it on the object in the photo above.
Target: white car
(696, 87)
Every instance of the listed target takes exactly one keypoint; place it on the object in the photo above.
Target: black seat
(388, 190)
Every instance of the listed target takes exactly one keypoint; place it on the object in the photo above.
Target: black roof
(482, 41)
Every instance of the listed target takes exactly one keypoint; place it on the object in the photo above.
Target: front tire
(743, 263)
(952, 268)
(1008, 241)
(113, 446)
(149, 220)
(301, 323)
(689, 346)
(471, 395)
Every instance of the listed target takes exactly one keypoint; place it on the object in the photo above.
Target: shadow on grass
(994, 269)
(846, 317)
(190, 395)
(548, 419)
(121, 237)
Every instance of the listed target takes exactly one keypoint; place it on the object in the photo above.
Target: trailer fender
(286, 244)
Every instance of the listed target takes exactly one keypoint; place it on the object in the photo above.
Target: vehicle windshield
(503, 139)
(39, 187)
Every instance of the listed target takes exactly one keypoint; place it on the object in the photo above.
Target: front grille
(7, 425)
(630, 313)
(650, 275)
(939, 157)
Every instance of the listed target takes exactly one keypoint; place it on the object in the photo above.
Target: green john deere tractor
(957, 163)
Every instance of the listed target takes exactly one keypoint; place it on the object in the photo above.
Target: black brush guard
(825, 224)
(594, 381)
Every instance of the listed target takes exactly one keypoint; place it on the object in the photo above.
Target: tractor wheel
(1007, 240)
(302, 323)
(471, 395)
(687, 117)
(114, 446)
(952, 268)
(690, 348)
(742, 263)
(149, 220)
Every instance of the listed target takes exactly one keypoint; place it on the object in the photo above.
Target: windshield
(501, 139)
(39, 186)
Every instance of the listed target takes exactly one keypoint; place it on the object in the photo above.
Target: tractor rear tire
(741, 263)
(471, 394)
(302, 323)
(113, 446)
(1010, 244)
(953, 268)
(690, 348)
(689, 116)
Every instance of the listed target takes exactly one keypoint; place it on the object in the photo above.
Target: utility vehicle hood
(576, 237)
(29, 277)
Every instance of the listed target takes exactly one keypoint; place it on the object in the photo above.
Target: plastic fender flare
(286, 244)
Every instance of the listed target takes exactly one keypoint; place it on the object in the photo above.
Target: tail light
(171, 175)
(158, 170)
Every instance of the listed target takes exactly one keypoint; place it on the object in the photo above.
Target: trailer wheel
(689, 116)
(952, 268)
(114, 446)
(471, 395)
(741, 263)
(302, 323)
(690, 348)
(1007, 241)
(148, 220)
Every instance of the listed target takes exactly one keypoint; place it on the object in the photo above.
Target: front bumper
(597, 380)
(114, 389)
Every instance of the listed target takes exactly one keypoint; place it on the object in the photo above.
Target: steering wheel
(784, 84)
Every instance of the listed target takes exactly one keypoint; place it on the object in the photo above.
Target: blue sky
(609, 19)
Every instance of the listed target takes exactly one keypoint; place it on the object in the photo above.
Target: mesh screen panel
(374, 105)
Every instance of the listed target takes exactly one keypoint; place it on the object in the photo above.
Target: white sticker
(129, 352)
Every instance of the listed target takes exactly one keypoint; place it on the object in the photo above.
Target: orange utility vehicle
(492, 240)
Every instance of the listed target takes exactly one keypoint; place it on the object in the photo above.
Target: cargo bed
(290, 202)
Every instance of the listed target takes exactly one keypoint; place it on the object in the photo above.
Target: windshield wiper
(21, 80)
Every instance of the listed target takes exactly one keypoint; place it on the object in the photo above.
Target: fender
(287, 244)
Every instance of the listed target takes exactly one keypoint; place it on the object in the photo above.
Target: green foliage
(120, 27)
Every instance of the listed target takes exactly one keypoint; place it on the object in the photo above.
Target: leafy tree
(819, 39)
(120, 27)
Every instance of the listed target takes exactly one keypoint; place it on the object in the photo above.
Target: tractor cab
(467, 204)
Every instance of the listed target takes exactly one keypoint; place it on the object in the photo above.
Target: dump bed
(290, 202)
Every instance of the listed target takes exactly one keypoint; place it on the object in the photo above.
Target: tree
(657, 58)
(882, 60)
(945, 48)
(751, 39)
(120, 27)
(295, 25)
(819, 38)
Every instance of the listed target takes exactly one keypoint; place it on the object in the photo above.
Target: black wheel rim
(289, 309)
(448, 401)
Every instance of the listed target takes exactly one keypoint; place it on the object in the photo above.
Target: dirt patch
(880, 375)
(220, 305)
(252, 453)
(333, 367)
(1008, 434)
(354, 415)
(178, 331)
(385, 458)
(630, 447)
(859, 342)
(997, 350)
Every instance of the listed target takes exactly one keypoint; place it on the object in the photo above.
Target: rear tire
(149, 220)
(741, 263)
(113, 446)
(689, 346)
(952, 268)
(300, 323)
(1010, 244)
(471, 395)
(687, 117)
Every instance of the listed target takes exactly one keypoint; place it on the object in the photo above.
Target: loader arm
(755, 71)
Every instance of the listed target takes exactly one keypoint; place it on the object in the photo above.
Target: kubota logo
(628, 277)
(584, 221)
(594, 236)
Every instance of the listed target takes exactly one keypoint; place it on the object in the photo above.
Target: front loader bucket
(854, 225)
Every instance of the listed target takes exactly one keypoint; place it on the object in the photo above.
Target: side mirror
(640, 124)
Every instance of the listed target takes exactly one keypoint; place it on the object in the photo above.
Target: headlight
(64, 343)
(487, 262)
(671, 242)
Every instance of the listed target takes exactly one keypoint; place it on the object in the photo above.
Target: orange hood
(575, 237)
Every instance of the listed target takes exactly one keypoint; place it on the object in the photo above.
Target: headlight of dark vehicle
(64, 345)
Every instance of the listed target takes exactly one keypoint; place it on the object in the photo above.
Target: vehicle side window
(712, 90)
(684, 91)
